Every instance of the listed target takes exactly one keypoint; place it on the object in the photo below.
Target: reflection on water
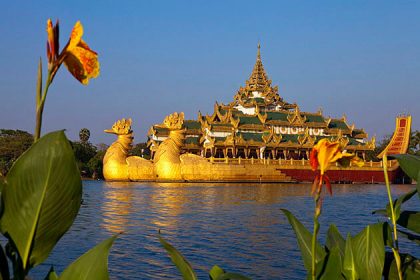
(116, 206)
(239, 227)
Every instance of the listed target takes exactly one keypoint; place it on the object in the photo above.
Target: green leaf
(41, 197)
(334, 264)
(334, 239)
(304, 238)
(410, 220)
(349, 264)
(91, 265)
(51, 275)
(215, 272)
(410, 268)
(410, 164)
(369, 251)
(400, 201)
(397, 205)
(178, 259)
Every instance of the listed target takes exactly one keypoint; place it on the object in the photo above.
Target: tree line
(88, 156)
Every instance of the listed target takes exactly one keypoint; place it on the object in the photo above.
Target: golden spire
(259, 52)
(258, 80)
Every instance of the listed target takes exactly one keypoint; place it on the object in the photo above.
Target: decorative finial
(121, 127)
(259, 52)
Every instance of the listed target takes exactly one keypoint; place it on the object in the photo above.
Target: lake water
(238, 227)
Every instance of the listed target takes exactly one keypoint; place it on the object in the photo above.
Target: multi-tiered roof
(259, 120)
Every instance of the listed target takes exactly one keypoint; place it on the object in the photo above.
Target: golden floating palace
(258, 137)
(258, 123)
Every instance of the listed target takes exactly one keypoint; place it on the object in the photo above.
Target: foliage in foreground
(188, 273)
(41, 194)
(364, 256)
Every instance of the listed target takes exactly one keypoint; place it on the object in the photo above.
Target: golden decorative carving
(401, 137)
(174, 121)
(116, 165)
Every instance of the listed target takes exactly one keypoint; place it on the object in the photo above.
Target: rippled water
(238, 227)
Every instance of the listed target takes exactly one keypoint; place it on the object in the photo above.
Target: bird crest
(121, 127)
(174, 121)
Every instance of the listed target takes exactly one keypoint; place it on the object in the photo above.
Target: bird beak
(109, 131)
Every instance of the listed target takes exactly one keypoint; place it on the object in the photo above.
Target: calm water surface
(238, 227)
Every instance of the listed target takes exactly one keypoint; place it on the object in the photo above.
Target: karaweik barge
(258, 137)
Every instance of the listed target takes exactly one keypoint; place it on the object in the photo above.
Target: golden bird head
(120, 127)
(174, 121)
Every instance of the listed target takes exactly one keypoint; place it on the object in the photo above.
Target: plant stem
(395, 249)
(317, 213)
(40, 107)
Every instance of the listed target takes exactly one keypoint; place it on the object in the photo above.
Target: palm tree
(84, 135)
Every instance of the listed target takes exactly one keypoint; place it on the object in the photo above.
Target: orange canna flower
(80, 60)
(53, 41)
(325, 153)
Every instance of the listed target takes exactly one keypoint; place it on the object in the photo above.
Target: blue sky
(358, 58)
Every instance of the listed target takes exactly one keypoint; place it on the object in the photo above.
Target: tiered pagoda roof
(258, 116)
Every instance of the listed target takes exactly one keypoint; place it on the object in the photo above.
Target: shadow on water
(239, 227)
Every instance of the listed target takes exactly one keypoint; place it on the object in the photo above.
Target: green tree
(95, 165)
(414, 146)
(84, 135)
(84, 152)
(12, 144)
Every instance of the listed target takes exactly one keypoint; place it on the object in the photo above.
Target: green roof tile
(315, 118)
(249, 120)
(191, 124)
(337, 124)
(251, 136)
(191, 140)
(280, 116)
(289, 137)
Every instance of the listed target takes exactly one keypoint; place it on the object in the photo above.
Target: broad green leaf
(400, 201)
(91, 265)
(349, 264)
(410, 220)
(51, 275)
(410, 164)
(178, 259)
(215, 272)
(410, 268)
(41, 197)
(334, 239)
(369, 251)
(397, 205)
(334, 265)
(304, 238)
